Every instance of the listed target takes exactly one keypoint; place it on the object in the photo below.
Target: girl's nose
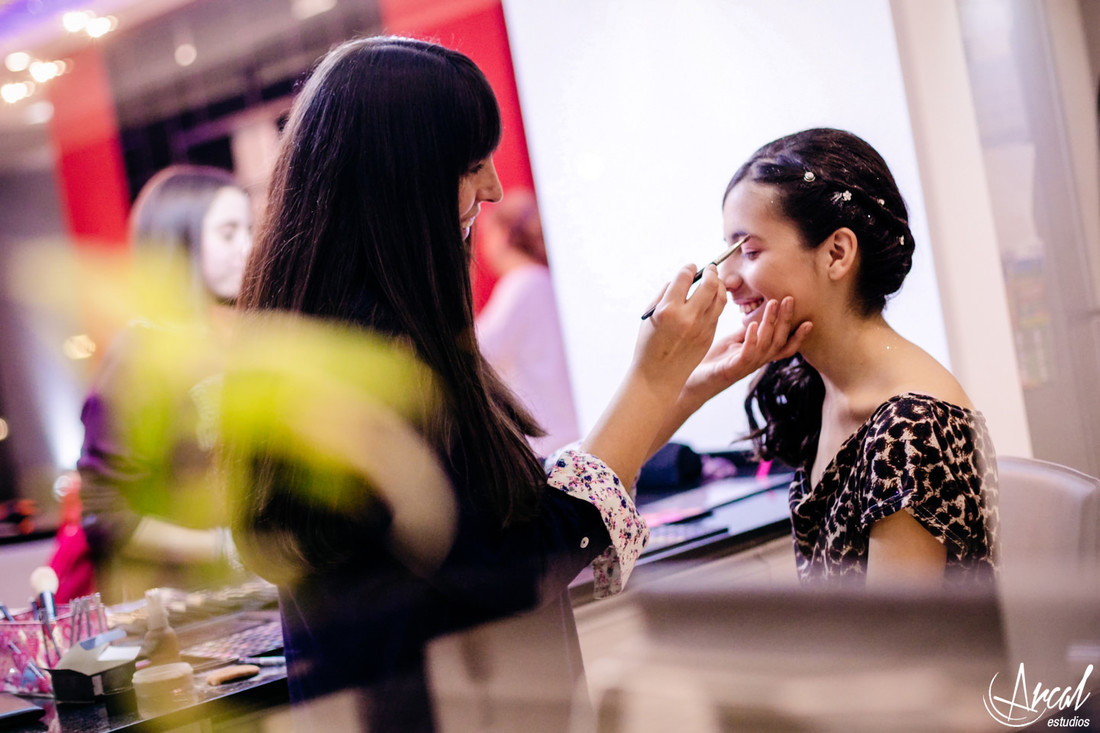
(729, 273)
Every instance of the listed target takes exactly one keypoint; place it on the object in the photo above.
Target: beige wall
(1076, 23)
(960, 216)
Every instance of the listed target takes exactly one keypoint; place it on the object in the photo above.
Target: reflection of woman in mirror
(896, 477)
(151, 515)
(385, 162)
(518, 329)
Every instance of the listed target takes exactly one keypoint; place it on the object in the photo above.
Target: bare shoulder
(921, 373)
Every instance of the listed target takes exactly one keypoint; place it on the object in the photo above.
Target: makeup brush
(44, 583)
(698, 276)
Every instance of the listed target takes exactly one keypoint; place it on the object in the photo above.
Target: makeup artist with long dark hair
(385, 162)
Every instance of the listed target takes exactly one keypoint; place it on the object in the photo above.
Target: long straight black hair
(362, 227)
(824, 179)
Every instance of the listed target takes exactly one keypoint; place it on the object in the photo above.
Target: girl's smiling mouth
(749, 307)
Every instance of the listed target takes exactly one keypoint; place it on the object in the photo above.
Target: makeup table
(217, 707)
(718, 519)
(213, 640)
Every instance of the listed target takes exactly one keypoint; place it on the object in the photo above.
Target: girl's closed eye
(749, 254)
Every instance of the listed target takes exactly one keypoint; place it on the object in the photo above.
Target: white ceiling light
(186, 54)
(16, 91)
(17, 61)
(76, 20)
(44, 70)
(98, 27)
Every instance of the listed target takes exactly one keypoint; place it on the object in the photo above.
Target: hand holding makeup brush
(670, 346)
(736, 356)
(716, 261)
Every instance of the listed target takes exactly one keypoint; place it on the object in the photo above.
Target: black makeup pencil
(717, 261)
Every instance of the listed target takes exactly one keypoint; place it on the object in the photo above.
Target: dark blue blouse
(366, 627)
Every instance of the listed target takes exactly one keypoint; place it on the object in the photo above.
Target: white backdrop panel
(637, 112)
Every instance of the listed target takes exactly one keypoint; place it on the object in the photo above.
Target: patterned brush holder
(29, 647)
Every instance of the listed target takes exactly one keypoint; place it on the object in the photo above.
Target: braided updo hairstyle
(824, 179)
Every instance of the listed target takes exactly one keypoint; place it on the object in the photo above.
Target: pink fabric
(520, 335)
(72, 561)
(72, 557)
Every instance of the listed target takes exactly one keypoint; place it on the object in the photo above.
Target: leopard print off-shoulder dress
(917, 453)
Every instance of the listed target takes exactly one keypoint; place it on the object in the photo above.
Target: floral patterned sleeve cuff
(586, 477)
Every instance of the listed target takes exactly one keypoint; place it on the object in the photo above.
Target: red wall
(91, 174)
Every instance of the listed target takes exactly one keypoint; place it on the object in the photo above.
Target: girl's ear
(840, 252)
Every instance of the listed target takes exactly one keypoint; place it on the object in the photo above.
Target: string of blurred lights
(41, 71)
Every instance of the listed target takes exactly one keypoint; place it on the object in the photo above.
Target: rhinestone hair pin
(808, 176)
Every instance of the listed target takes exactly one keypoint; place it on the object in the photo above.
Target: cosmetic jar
(164, 687)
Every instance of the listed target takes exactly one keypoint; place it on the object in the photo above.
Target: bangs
(478, 130)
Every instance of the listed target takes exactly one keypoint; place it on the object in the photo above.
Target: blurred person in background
(518, 329)
(386, 160)
(152, 514)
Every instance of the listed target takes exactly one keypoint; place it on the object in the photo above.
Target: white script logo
(1024, 708)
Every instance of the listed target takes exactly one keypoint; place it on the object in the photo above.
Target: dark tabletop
(717, 519)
